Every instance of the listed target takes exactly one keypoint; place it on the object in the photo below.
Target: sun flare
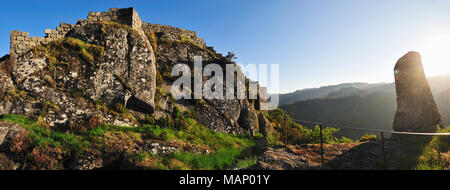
(436, 55)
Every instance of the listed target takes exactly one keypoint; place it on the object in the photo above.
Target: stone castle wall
(21, 42)
(126, 16)
(174, 30)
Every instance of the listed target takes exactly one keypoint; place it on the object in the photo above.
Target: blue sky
(315, 42)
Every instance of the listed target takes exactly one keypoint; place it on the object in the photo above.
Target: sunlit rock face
(416, 109)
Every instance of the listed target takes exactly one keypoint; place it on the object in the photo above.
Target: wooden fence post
(321, 144)
(285, 132)
(382, 149)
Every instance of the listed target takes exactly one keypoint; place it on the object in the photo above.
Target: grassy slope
(226, 151)
(436, 155)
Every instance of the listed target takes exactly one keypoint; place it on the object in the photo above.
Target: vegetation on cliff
(197, 146)
(436, 154)
(299, 134)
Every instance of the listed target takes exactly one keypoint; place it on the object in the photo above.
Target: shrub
(94, 122)
(88, 52)
(57, 52)
(46, 158)
(120, 108)
(367, 138)
(153, 40)
(21, 142)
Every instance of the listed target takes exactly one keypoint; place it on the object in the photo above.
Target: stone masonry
(170, 29)
(21, 42)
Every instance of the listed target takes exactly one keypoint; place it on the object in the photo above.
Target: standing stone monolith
(416, 109)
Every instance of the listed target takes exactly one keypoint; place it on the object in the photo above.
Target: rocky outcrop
(248, 118)
(105, 64)
(345, 156)
(265, 127)
(211, 115)
(127, 72)
(416, 108)
(8, 132)
(6, 87)
(122, 74)
(176, 46)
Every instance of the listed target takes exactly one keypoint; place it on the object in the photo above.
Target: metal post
(382, 148)
(321, 144)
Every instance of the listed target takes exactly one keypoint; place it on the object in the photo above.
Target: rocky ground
(361, 156)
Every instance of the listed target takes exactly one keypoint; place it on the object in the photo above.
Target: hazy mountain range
(362, 105)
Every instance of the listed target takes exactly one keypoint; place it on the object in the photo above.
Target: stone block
(65, 25)
(19, 38)
(15, 33)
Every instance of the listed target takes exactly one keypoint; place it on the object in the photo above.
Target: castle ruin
(21, 42)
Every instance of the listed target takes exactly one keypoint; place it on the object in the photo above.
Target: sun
(436, 55)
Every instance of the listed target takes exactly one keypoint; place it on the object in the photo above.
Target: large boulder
(216, 118)
(127, 72)
(67, 86)
(8, 132)
(416, 109)
(248, 118)
(265, 127)
(6, 87)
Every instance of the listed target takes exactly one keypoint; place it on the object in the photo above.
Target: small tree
(231, 56)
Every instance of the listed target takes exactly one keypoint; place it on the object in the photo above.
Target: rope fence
(382, 134)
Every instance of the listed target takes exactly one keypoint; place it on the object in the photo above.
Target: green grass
(43, 136)
(226, 151)
(222, 159)
(298, 134)
(57, 51)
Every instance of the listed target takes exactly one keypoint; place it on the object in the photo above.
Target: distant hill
(360, 105)
(347, 91)
(374, 111)
(313, 93)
